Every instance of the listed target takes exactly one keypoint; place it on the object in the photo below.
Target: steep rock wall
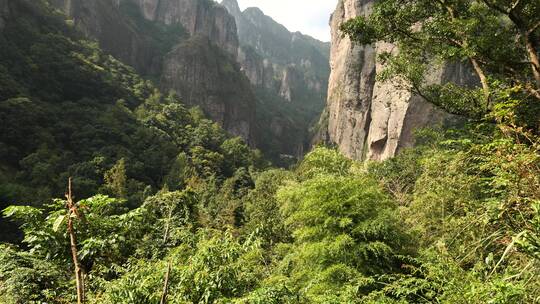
(154, 36)
(297, 62)
(365, 118)
(202, 17)
(205, 76)
(289, 72)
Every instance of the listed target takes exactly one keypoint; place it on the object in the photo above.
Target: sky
(307, 16)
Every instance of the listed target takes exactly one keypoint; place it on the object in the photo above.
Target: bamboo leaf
(58, 222)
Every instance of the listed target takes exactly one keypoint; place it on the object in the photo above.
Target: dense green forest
(169, 208)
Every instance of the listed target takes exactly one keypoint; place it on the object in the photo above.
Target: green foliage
(25, 278)
(73, 111)
(454, 220)
(495, 38)
(115, 179)
(262, 214)
(213, 268)
(472, 205)
(324, 161)
(344, 230)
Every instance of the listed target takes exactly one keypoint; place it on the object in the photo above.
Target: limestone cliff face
(201, 17)
(290, 73)
(298, 63)
(205, 76)
(259, 70)
(365, 118)
(189, 46)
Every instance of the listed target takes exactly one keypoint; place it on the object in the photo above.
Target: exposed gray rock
(196, 16)
(274, 58)
(204, 17)
(290, 73)
(368, 119)
(291, 81)
(206, 75)
(148, 8)
(104, 21)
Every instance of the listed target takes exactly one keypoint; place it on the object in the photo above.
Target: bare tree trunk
(166, 285)
(483, 80)
(72, 211)
(533, 56)
(167, 226)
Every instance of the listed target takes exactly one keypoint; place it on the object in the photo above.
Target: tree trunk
(167, 226)
(166, 285)
(483, 81)
(73, 242)
(533, 57)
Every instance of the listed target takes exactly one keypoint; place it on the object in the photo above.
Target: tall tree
(497, 38)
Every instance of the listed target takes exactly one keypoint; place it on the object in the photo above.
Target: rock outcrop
(205, 76)
(290, 74)
(202, 17)
(114, 28)
(365, 118)
(155, 37)
(282, 54)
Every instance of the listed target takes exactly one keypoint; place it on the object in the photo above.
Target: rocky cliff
(365, 118)
(290, 73)
(206, 76)
(189, 46)
(257, 79)
(201, 17)
(282, 54)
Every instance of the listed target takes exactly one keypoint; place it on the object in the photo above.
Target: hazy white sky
(307, 16)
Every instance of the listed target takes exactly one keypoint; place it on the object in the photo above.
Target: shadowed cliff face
(207, 77)
(365, 118)
(201, 17)
(154, 36)
(290, 73)
(268, 48)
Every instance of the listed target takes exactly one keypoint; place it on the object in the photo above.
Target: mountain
(244, 70)
(189, 46)
(281, 52)
(367, 118)
(290, 74)
(68, 109)
(113, 191)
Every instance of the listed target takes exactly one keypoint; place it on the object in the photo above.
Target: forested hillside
(166, 207)
(70, 110)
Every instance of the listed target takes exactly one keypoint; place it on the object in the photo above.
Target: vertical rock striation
(202, 17)
(297, 63)
(205, 76)
(189, 46)
(290, 74)
(365, 118)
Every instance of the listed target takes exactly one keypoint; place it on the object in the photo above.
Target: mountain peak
(232, 6)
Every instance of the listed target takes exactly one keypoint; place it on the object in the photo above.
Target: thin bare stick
(72, 211)
(166, 285)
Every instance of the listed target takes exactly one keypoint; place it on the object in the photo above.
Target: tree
(262, 214)
(344, 230)
(116, 180)
(498, 39)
